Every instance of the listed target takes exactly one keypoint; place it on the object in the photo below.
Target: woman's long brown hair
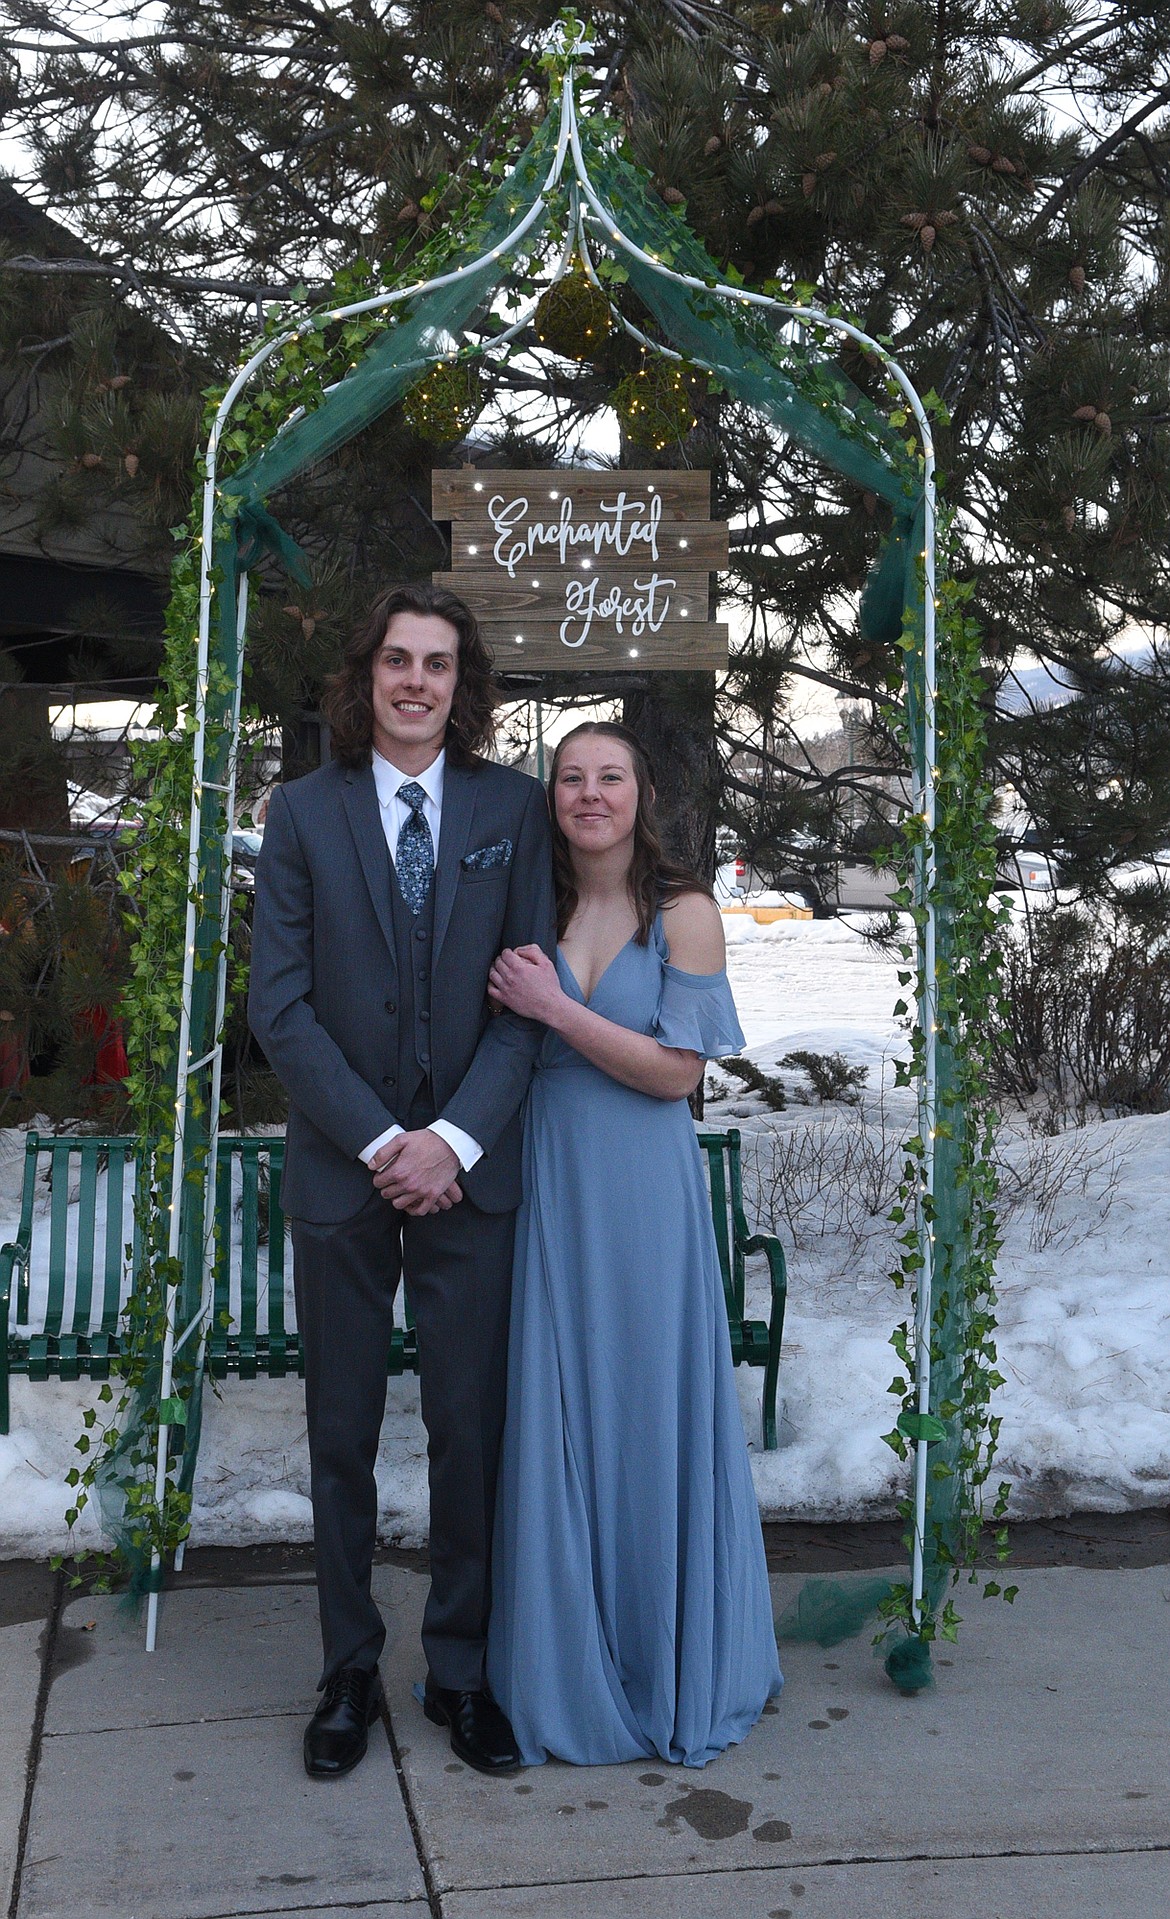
(652, 879)
(348, 703)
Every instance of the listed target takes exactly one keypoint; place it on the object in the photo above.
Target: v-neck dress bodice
(631, 1616)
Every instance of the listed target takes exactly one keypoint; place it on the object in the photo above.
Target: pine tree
(984, 183)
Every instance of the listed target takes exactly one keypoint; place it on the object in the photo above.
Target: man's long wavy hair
(348, 702)
(653, 879)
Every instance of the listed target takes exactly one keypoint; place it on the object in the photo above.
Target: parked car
(846, 886)
(246, 844)
(1032, 872)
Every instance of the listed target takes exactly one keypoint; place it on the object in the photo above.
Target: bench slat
(115, 1204)
(59, 1157)
(86, 1241)
(217, 1337)
(277, 1335)
(249, 1262)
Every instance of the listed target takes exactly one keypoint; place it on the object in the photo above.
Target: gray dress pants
(458, 1269)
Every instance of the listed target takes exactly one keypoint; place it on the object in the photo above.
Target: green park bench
(82, 1246)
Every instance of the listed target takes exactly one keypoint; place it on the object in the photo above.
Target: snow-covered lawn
(1084, 1338)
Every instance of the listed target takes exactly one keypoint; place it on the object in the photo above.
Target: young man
(388, 882)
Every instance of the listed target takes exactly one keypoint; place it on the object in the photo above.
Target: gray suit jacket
(322, 1001)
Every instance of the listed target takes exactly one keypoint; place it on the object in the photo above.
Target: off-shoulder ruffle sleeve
(697, 1013)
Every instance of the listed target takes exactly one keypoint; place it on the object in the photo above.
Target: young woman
(631, 1616)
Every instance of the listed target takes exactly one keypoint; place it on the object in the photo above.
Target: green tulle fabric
(826, 1611)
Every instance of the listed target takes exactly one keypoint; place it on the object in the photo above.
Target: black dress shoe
(480, 1735)
(337, 1734)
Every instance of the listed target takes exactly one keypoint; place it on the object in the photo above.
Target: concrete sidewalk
(1030, 1783)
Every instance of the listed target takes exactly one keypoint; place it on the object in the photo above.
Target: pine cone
(673, 197)
(877, 52)
(1076, 279)
(825, 160)
(91, 460)
(1001, 164)
(493, 13)
(897, 43)
(294, 612)
(928, 236)
(408, 212)
(1103, 424)
(1068, 514)
(947, 218)
(755, 216)
(714, 145)
(808, 182)
(1085, 413)
(117, 382)
(823, 89)
(773, 207)
(982, 156)
(916, 221)
(130, 462)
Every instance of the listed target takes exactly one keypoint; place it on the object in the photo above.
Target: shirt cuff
(367, 1154)
(466, 1149)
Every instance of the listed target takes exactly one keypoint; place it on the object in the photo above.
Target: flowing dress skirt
(631, 1614)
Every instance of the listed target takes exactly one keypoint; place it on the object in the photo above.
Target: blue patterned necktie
(415, 860)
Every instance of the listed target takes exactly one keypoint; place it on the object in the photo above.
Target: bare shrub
(1045, 1173)
(1086, 1023)
(837, 1174)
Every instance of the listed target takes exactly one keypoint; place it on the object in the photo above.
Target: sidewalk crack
(36, 1741)
(434, 1902)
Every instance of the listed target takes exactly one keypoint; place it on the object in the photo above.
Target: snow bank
(1084, 1336)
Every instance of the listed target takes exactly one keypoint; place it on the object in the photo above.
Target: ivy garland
(118, 1451)
(962, 1430)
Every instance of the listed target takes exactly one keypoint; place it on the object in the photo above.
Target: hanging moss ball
(572, 317)
(445, 402)
(654, 404)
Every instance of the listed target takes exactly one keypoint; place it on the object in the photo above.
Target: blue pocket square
(487, 857)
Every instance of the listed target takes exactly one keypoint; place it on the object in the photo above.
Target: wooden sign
(585, 569)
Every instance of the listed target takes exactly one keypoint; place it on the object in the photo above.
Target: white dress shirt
(395, 813)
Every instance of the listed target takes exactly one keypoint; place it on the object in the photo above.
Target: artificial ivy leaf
(922, 1427)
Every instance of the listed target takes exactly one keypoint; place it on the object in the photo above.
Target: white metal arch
(572, 49)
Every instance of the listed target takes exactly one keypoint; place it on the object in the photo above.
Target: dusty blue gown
(631, 1617)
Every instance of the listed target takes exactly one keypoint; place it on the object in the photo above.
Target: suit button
(424, 1015)
(424, 972)
(391, 1005)
(420, 933)
(387, 1079)
(424, 1059)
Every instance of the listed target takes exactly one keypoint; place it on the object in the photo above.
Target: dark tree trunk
(675, 720)
(34, 793)
(304, 746)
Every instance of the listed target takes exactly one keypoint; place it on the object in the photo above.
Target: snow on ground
(1084, 1337)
